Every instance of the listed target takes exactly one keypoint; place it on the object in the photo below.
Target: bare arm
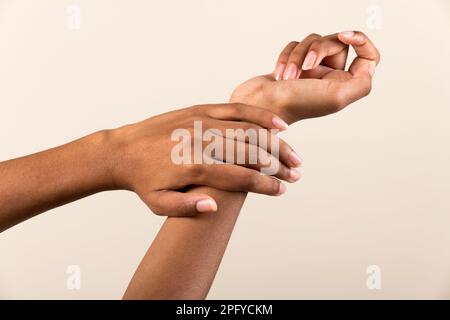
(132, 158)
(39, 182)
(183, 259)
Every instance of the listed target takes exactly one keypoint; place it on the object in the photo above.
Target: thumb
(179, 204)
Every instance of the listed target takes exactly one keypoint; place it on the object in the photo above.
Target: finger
(254, 157)
(297, 56)
(257, 136)
(367, 54)
(231, 177)
(328, 50)
(364, 48)
(279, 149)
(317, 73)
(243, 112)
(280, 66)
(178, 204)
(284, 173)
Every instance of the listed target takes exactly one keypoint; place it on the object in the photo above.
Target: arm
(39, 182)
(183, 259)
(131, 158)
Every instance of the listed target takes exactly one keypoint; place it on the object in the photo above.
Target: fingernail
(281, 190)
(348, 34)
(290, 72)
(294, 175)
(279, 70)
(309, 60)
(207, 205)
(371, 68)
(279, 123)
(295, 159)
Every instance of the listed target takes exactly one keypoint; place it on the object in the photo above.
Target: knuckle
(237, 107)
(313, 36)
(377, 56)
(338, 99)
(275, 186)
(367, 88)
(291, 45)
(315, 44)
(252, 181)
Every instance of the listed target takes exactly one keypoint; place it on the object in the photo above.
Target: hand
(144, 164)
(310, 78)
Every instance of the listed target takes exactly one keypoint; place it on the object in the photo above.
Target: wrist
(119, 146)
(263, 97)
(100, 157)
(281, 111)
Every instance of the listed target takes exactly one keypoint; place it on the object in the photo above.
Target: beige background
(376, 176)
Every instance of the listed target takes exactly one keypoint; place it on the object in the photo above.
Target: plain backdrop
(376, 176)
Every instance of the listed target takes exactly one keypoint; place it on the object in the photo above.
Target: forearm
(36, 183)
(184, 257)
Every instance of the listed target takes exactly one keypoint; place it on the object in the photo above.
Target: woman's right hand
(310, 78)
(143, 157)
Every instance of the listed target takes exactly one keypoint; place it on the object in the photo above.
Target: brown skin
(185, 255)
(183, 259)
(145, 165)
(325, 89)
(137, 157)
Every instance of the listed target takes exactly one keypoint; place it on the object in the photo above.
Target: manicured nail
(348, 34)
(294, 175)
(207, 205)
(279, 70)
(295, 159)
(371, 68)
(290, 72)
(309, 60)
(281, 190)
(279, 123)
